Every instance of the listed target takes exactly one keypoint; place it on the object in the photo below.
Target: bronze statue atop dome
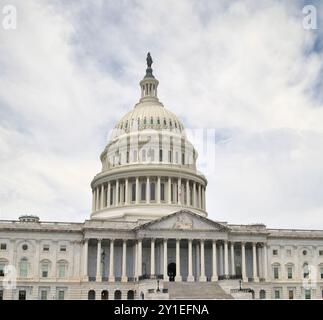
(149, 60)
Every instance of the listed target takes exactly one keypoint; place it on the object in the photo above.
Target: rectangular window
(61, 295)
(170, 159)
(321, 272)
(277, 294)
(1, 294)
(152, 191)
(290, 294)
(3, 246)
(290, 273)
(160, 155)
(276, 272)
(275, 252)
(22, 295)
(307, 294)
(43, 295)
(45, 247)
(23, 269)
(321, 252)
(62, 248)
(183, 158)
(44, 271)
(162, 192)
(143, 191)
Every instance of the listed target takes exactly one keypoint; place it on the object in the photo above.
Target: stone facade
(149, 236)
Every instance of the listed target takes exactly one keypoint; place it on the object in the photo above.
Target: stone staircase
(195, 290)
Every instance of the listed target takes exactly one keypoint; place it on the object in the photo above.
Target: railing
(230, 277)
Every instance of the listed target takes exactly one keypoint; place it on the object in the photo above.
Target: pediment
(184, 220)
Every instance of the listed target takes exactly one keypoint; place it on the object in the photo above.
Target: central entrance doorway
(171, 271)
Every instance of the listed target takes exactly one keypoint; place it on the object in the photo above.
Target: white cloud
(246, 68)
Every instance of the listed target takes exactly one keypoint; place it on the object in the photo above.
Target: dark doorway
(117, 295)
(22, 295)
(131, 295)
(91, 295)
(104, 295)
(171, 271)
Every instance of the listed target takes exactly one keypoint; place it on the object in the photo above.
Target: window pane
(162, 192)
(143, 191)
(152, 191)
(133, 192)
(61, 271)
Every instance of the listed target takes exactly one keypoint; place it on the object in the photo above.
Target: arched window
(143, 191)
(131, 295)
(104, 295)
(152, 191)
(117, 295)
(62, 267)
(23, 268)
(91, 295)
(306, 271)
(44, 268)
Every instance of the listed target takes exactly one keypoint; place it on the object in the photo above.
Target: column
(111, 269)
(109, 194)
(190, 277)
(203, 198)
(178, 261)
(214, 262)
(199, 196)
(152, 258)
(194, 194)
(85, 257)
(221, 259)
(117, 193)
(188, 199)
(254, 262)
(148, 190)
(169, 190)
(202, 276)
(243, 262)
(139, 257)
(226, 259)
(179, 191)
(158, 190)
(233, 269)
(127, 192)
(136, 261)
(93, 200)
(165, 261)
(137, 190)
(98, 262)
(124, 277)
(265, 262)
(102, 197)
(97, 206)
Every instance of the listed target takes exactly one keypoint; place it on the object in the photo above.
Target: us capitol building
(149, 237)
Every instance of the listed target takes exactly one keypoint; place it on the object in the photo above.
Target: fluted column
(188, 200)
(117, 193)
(254, 262)
(158, 189)
(194, 194)
(214, 262)
(179, 191)
(169, 190)
(152, 257)
(102, 197)
(221, 259)
(139, 257)
(202, 276)
(109, 194)
(178, 260)
(190, 276)
(148, 190)
(226, 259)
(124, 277)
(98, 262)
(165, 261)
(243, 262)
(93, 200)
(199, 196)
(265, 262)
(137, 190)
(233, 269)
(111, 269)
(127, 192)
(85, 259)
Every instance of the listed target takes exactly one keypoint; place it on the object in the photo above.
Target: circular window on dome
(304, 252)
(24, 247)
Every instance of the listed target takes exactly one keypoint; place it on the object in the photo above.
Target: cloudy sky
(246, 70)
